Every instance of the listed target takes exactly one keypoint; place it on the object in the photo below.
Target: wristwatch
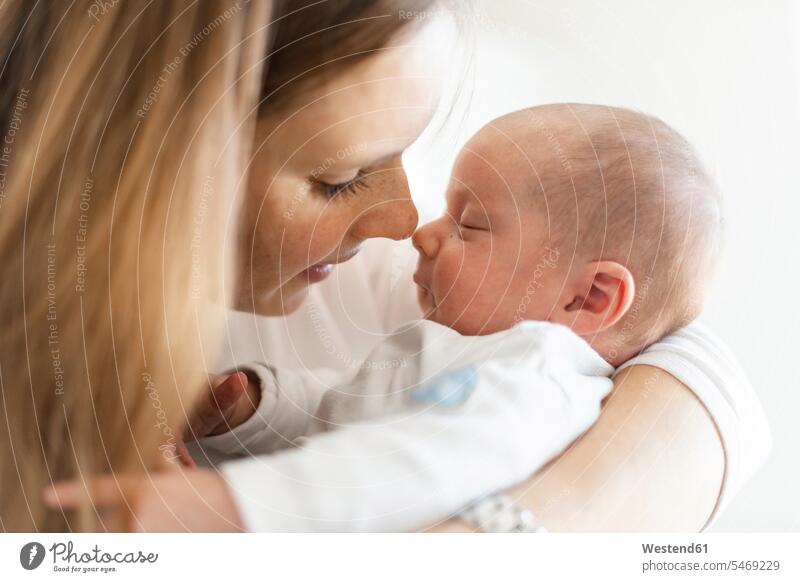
(500, 514)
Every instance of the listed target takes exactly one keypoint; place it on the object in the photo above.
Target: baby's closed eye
(472, 221)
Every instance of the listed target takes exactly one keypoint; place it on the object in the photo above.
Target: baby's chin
(428, 307)
(425, 301)
(461, 323)
(436, 314)
(439, 313)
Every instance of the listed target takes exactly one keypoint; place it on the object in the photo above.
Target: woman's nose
(391, 213)
(425, 241)
(394, 219)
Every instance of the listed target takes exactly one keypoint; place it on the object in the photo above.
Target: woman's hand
(173, 500)
(196, 500)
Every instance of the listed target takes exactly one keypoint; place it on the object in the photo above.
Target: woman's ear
(596, 297)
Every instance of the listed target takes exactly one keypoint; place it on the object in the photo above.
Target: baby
(574, 236)
(598, 218)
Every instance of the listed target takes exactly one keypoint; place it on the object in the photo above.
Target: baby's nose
(425, 241)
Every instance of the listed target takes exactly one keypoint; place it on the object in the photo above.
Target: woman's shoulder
(701, 360)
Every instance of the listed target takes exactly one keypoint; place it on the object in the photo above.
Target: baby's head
(598, 218)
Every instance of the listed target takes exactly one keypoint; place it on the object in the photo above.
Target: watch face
(500, 514)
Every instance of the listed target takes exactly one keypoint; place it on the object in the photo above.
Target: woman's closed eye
(352, 186)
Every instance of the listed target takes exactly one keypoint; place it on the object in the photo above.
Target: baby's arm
(420, 366)
(470, 433)
(288, 399)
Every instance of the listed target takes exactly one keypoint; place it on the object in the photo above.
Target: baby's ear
(596, 297)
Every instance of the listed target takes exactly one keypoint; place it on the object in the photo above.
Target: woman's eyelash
(335, 190)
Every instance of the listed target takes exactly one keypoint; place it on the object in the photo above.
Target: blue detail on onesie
(448, 390)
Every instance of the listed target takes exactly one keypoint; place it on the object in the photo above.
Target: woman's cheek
(320, 231)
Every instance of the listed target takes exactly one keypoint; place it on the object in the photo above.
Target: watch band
(501, 514)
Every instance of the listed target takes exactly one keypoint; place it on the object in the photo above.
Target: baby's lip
(419, 281)
(425, 292)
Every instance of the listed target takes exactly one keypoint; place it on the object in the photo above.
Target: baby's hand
(229, 402)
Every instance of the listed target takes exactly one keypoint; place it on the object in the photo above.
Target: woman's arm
(653, 462)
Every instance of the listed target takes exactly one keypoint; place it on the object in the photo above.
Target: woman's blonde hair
(126, 129)
(122, 147)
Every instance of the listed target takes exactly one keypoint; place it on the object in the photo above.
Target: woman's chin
(293, 302)
(287, 301)
(284, 301)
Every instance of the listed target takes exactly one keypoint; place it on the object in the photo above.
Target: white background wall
(726, 74)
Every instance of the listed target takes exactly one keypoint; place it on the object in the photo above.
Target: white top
(698, 358)
(347, 315)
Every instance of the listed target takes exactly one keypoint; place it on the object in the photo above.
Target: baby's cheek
(534, 293)
(470, 289)
(455, 262)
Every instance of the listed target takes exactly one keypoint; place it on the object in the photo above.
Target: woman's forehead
(377, 106)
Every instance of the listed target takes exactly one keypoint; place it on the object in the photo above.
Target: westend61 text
(670, 549)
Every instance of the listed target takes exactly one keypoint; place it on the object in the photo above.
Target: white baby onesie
(430, 421)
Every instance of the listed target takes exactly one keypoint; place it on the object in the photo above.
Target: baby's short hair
(624, 186)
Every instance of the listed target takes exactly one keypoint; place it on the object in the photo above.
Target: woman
(133, 176)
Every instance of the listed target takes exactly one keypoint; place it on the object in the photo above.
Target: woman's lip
(320, 271)
(317, 273)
